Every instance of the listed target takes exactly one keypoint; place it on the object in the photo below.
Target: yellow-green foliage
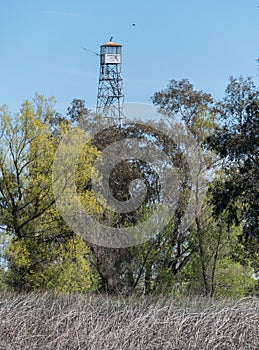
(233, 279)
(217, 272)
(43, 252)
(85, 171)
(62, 267)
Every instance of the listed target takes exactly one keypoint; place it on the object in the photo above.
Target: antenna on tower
(91, 52)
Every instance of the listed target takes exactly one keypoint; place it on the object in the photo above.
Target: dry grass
(45, 321)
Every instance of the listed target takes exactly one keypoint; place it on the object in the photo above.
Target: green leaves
(236, 140)
(43, 252)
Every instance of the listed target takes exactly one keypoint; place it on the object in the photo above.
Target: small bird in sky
(133, 24)
(111, 38)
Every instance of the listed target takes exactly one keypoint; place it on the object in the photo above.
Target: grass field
(46, 321)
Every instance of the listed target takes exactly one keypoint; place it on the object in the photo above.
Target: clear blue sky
(203, 40)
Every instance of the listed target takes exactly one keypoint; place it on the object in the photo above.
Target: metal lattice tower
(110, 99)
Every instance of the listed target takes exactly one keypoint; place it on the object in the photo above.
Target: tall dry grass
(45, 321)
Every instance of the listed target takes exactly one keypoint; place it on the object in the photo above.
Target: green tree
(180, 101)
(123, 269)
(42, 245)
(207, 255)
(236, 140)
(208, 234)
(166, 254)
(214, 270)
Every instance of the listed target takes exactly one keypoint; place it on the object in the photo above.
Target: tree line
(216, 255)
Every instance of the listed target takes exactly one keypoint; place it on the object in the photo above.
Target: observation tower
(110, 98)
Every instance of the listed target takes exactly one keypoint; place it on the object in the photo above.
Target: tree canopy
(216, 254)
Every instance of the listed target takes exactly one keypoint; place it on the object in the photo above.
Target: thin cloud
(62, 13)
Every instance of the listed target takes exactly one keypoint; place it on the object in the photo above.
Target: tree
(180, 101)
(169, 251)
(174, 259)
(40, 239)
(122, 269)
(214, 269)
(237, 142)
(209, 232)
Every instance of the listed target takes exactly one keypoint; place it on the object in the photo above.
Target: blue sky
(204, 41)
